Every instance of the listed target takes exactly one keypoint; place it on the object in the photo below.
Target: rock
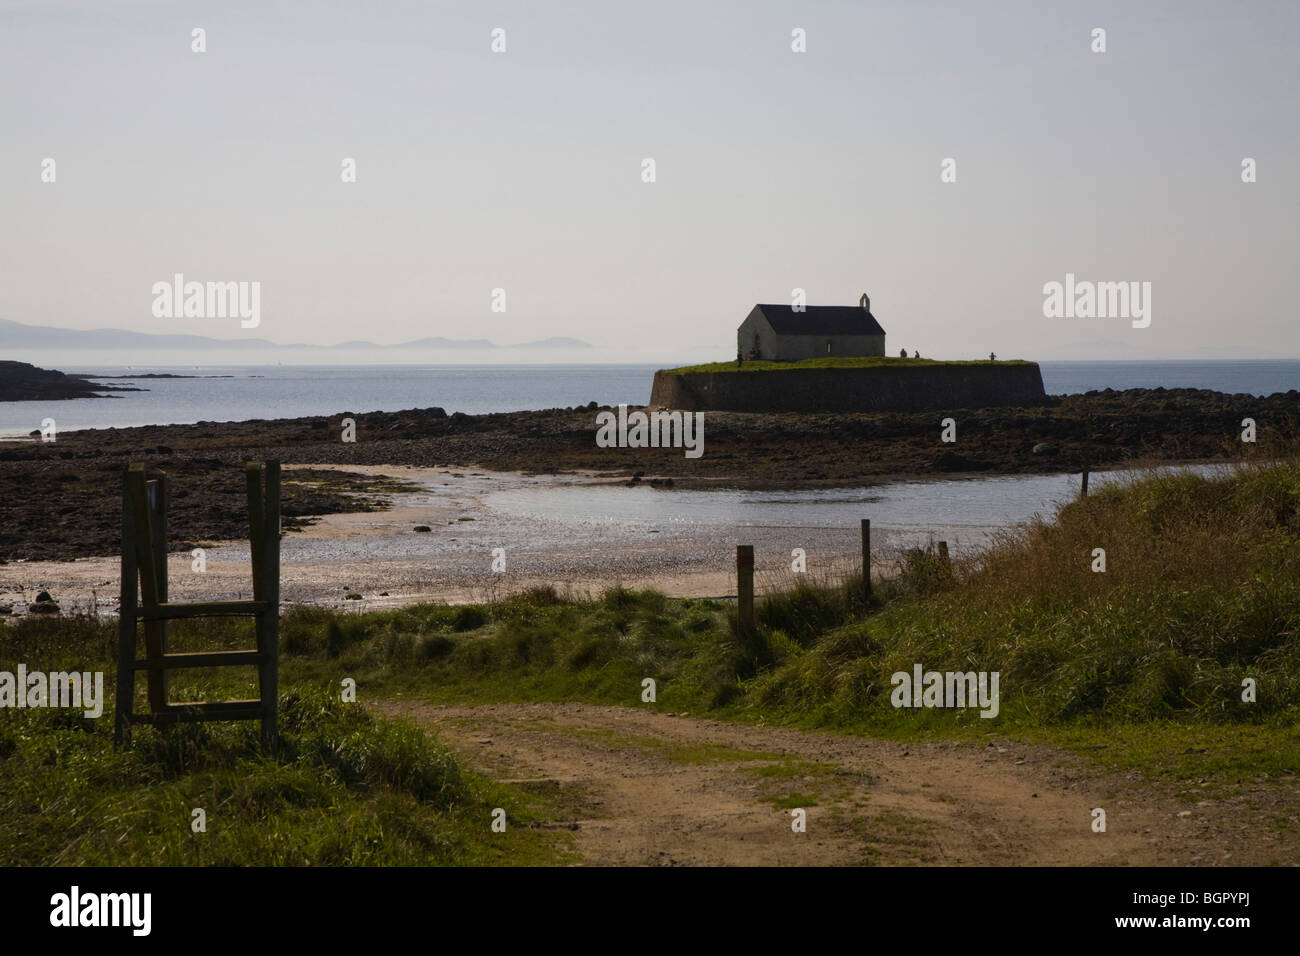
(951, 461)
(422, 527)
(1044, 448)
(44, 598)
(44, 607)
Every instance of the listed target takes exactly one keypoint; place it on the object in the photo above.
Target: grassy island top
(870, 361)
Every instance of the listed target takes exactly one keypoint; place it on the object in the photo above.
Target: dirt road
(644, 788)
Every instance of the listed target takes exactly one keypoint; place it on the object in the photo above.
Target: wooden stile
(144, 601)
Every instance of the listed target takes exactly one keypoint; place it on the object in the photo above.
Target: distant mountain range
(16, 335)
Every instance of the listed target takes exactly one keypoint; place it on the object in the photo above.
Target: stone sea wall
(901, 388)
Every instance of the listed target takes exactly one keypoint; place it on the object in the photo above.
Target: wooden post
(148, 568)
(128, 601)
(269, 621)
(158, 500)
(866, 559)
(253, 476)
(1083, 490)
(745, 588)
(943, 551)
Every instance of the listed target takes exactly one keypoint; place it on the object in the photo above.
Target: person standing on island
(740, 360)
(903, 354)
(992, 357)
(916, 354)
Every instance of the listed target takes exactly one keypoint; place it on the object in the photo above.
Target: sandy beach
(61, 500)
(568, 513)
(380, 556)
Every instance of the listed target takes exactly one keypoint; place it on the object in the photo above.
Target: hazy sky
(522, 170)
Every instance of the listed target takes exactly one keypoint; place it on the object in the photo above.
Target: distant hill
(555, 342)
(17, 335)
(438, 342)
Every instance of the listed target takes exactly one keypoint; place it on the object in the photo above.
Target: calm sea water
(964, 512)
(293, 391)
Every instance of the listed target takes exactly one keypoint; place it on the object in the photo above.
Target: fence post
(745, 588)
(943, 551)
(158, 493)
(148, 569)
(128, 600)
(269, 636)
(866, 559)
(1083, 490)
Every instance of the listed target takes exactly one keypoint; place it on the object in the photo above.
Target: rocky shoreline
(21, 382)
(61, 500)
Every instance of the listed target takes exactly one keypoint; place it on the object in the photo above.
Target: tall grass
(1201, 592)
(346, 788)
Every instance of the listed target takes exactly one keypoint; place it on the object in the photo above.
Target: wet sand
(61, 500)
(380, 556)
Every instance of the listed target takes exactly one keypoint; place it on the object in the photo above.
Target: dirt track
(646, 788)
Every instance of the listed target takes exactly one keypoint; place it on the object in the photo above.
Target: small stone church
(780, 333)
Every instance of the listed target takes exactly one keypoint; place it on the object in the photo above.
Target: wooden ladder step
(202, 710)
(159, 612)
(200, 659)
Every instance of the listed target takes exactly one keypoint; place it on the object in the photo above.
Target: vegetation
(1138, 667)
(347, 788)
(874, 361)
(1141, 665)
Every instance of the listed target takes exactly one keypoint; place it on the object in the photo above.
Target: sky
(775, 170)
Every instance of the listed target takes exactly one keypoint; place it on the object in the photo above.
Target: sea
(243, 393)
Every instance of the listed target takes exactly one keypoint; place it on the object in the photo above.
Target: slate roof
(821, 320)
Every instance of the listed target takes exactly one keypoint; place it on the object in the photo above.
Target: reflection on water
(965, 511)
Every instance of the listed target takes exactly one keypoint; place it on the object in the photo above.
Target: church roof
(820, 320)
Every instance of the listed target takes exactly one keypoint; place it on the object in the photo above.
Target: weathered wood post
(147, 565)
(866, 559)
(128, 602)
(158, 492)
(1083, 489)
(264, 550)
(943, 551)
(269, 676)
(745, 588)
